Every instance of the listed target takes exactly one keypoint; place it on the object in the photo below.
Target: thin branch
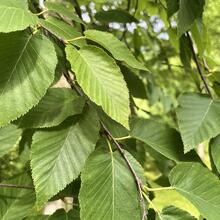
(202, 76)
(158, 189)
(5, 185)
(123, 138)
(76, 38)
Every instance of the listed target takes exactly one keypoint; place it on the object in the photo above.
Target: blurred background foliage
(149, 29)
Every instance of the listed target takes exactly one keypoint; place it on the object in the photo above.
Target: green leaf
(172, 7)
(117, 15)
(185, 53)
(15, 204)
(200, 36)
(215, 151)
(62, 30)
(198, 118)
(174, 213)
(14, 15)
(38, 217)
(54, 108)
(28, 65)
(59, 154)
(108, 189)
(161, 138)
(116, 129)
(61, 9)
(134, 83)
(9, 137)
(118, 49)
(102, 80)
(189, 11)
(197, 184)
(62, 214)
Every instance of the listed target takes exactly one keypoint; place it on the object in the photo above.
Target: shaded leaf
(189, 11)
(215, 151)
(174, 213)
(117, 15)
(161, 138)
(62, 214)
(185, 53)
(135, 84)
(172, 7)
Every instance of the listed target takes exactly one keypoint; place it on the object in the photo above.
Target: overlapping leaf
(59, 154)
(101, 80)
(215, 151)
(62, 10)
(199, 186)
(198, 118)
(188, 12)
(116, 15)
(9, 136)
(174, 213)
(62, 30)
(15, 204)
(54, 108)
(28, 65)
(14, 15)
(108, 188)
(118, 49)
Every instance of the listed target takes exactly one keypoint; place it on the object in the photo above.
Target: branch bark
(5, 185)
(202, 76)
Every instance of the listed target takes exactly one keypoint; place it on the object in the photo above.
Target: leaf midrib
(203, 118)
(15, 66)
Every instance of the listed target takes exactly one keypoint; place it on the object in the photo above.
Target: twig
(123, 138)
(158, 189)
(202, 76)
(5, 185)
